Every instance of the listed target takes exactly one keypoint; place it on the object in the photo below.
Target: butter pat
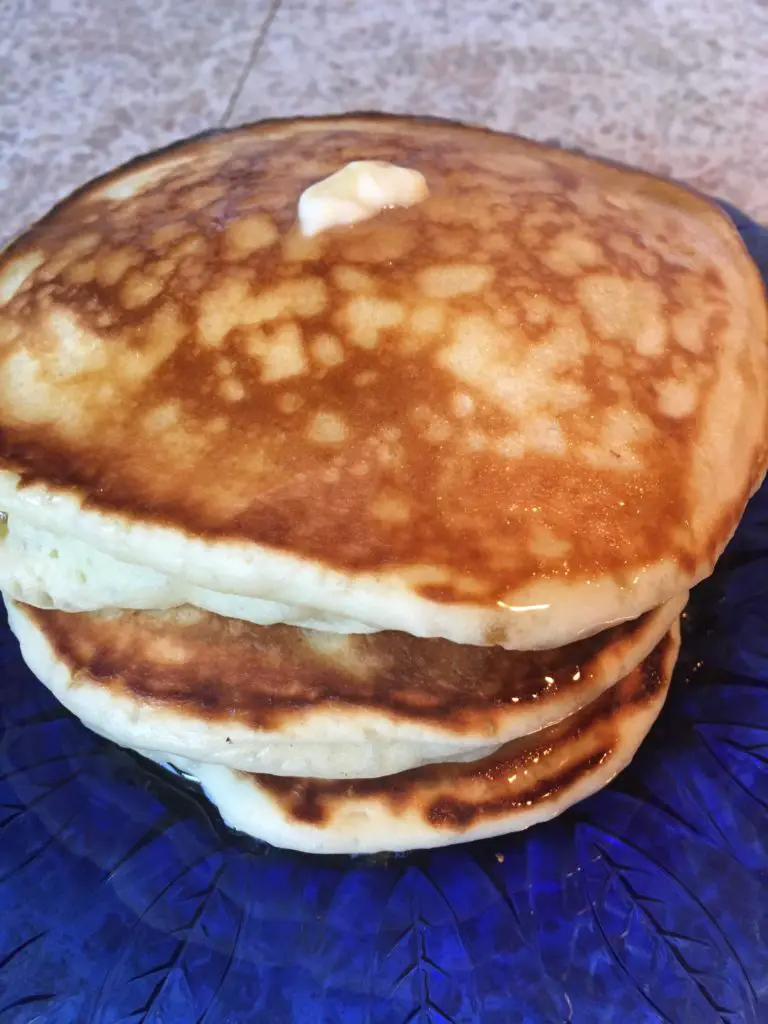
(358, 191)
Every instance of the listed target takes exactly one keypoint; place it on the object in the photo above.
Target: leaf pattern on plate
(657, 929)
(124, 899)
(422, 959)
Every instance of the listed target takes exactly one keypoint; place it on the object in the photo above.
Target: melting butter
(358, 191)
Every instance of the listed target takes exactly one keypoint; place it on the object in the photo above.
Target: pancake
(522, 784)
(528, 407)
(47, 570)
(294, 702)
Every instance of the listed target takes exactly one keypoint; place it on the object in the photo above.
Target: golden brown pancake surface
(548, 371)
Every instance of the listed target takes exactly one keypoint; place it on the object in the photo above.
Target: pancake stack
(371, 500)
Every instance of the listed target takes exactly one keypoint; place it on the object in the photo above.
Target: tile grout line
(250, 62)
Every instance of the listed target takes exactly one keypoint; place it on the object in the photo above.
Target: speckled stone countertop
(676, 86)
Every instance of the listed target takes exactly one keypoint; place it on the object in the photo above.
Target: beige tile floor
(677, 86)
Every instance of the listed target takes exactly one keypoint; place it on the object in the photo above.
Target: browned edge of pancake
(220, 670)
(531, 773)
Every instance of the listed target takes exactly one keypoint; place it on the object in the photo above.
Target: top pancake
(527, 407)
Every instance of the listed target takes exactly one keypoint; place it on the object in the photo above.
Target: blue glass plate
(122, 899)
